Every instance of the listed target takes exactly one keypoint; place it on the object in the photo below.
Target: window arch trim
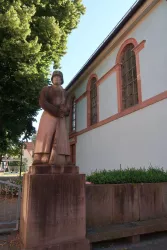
(119, 77)
(89, 100)
(125, 43)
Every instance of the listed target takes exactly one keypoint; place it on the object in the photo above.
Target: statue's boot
(40, 159)
(37, 159)
(68, 161)
(45, 158)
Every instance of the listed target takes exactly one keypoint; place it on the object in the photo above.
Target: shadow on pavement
(157, 241)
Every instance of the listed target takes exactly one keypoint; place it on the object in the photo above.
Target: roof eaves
(135, 7)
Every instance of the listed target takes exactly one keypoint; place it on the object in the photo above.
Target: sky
(99, 20)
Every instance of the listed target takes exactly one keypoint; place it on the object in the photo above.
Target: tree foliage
(33, 34)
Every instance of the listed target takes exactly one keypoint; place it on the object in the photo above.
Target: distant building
(28, 152)
(12, 164)
(119, 97)
(6, 165)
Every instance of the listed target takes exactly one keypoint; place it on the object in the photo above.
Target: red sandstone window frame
(73, 152)
(89, 123)
(136, 49)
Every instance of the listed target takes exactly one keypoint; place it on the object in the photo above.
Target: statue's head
(57, 78)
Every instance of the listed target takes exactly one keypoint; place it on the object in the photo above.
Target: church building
(119, 97)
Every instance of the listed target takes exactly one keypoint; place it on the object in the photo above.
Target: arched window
(93, 101)
(73, 115)
(129, 77)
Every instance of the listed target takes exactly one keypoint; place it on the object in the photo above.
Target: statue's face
(56, 80)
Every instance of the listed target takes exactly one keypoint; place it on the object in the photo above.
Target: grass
(11, 174)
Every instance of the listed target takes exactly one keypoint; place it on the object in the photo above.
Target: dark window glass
(129, 78)
(73, 116)
(93, 101)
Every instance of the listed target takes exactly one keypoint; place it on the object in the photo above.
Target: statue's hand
(58, 112)
(61, 114)
(64, 110)
(67, 113)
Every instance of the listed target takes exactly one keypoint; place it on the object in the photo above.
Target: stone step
(132, 230)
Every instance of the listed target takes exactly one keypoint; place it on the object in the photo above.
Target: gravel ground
(151, 242)
(8, 242)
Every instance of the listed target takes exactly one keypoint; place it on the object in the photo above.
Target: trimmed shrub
(17, 181)
(10, 190)
(129, 175)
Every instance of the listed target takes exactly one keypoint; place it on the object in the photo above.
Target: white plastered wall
(138, 139)
(108, 97)
(81, 114)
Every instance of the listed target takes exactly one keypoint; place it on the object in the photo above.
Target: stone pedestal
(53, 212)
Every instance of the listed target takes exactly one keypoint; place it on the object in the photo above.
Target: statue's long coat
(52, 137)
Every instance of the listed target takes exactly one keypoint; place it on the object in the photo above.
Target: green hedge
(142, 175)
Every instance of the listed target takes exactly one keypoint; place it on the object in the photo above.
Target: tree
(11, 150)
(33, 34)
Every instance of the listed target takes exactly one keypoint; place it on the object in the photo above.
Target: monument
(53, 201)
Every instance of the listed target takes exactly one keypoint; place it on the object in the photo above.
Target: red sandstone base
(53, 212)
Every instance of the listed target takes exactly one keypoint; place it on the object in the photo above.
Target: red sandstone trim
(81, 97)
(73, 135)
(88, 98)
(100, 81)
(140, 46)
(137, 49)
(112, 70)
(73, 142)
(128, 111)
(116, 68)
(126, 42)
(118, 81)
(73, 139)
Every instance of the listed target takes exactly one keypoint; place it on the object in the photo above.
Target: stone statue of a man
(52, 142)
